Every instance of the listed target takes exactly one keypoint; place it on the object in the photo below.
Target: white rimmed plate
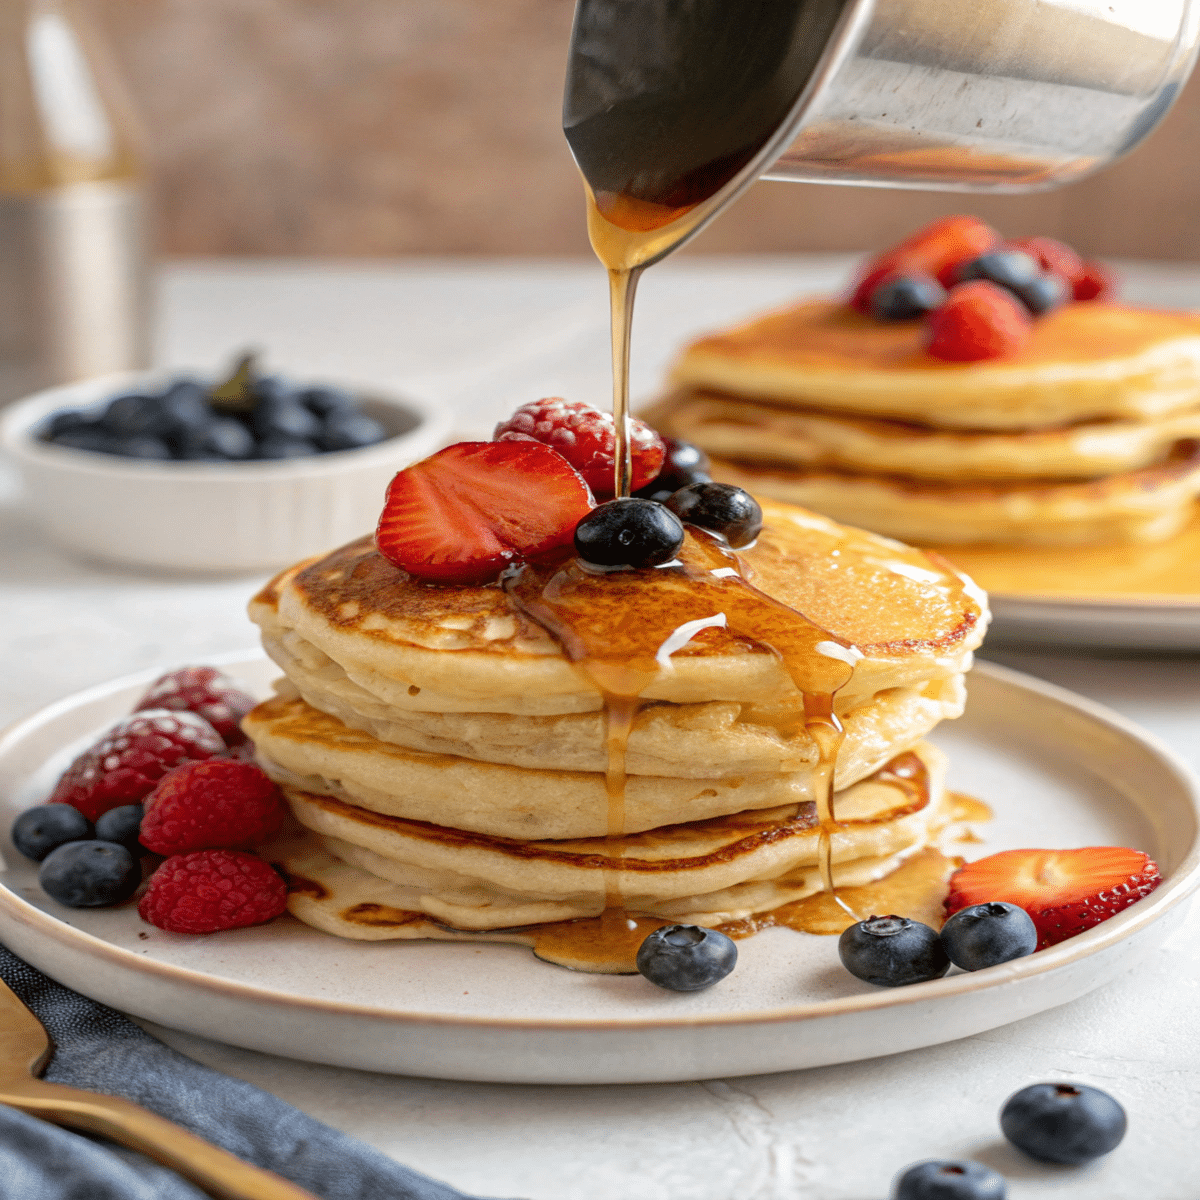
(1058, 769)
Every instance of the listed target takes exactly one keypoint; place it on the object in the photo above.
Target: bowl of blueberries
(173, 471)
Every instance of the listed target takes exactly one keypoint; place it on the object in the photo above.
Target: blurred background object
(73, 275)
(370, 127)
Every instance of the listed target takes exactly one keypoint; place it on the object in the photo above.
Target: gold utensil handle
(218, 1172)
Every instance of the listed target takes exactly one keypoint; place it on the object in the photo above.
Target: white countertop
(482, 338)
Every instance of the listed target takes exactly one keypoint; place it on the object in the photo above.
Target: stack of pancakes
(447, 760)
(1088, 435)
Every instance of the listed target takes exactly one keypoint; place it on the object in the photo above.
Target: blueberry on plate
(629, 532)
(135, 416)
(1042, 294)
(987, 934)
(279, 413)
(143, 445)
(892, 952)
(227, 437)
(1063, 1122)
(906, 297)
(683, 463)
(1009, 268)
(720, 508)
(324, 400)
(39, 830)
(122, 825)
(686, 958)
(347, 430)
(89, 874)
(87, 437)
(941, 1179)
(282, 445)
(67, 421)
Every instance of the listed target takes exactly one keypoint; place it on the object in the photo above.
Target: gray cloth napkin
(100, 1050)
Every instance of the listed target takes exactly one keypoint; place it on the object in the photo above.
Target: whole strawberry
(206, 691)
(222, 803)
(587, 439)
(211, 890)
(123, 767)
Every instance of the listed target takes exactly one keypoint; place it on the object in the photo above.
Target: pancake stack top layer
(450, 757)
(1089, 434)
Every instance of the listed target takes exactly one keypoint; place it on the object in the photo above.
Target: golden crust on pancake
(1083, 362)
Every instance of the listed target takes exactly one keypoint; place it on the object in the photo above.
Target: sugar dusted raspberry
(586, 438)
(206, 691)
(211, 890)
(221, 803)
(123, 767)
(979, 320)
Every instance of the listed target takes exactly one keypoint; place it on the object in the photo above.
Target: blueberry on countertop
(906, 297)
(629, 532)
(39, 830)
(987, 934)
(892, 951)
(949, 1180)
(1063, 1122)
(686, 958)
(89, 874)
(720, 508)
(122, 825)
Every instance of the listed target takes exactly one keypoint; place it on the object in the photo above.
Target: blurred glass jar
(74, 269)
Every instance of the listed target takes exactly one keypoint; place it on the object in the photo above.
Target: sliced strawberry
(465, 513)
(1096, 283)
(1064, 891)
(979, 320)
(1054, 256)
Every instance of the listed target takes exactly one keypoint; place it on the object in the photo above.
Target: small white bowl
(208, 517)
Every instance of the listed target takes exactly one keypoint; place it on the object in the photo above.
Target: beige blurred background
(389, 127)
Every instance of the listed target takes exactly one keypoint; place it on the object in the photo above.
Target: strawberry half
(465, 513)
(1064, 891)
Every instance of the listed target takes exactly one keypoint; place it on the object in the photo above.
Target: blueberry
(326, 400)
(140, 446)
(1042, 294)
(986, 934)
(719, 508)
(686, 958)
(683, 463)
(185, 406)
(906, 297)
(1063, 1122)
(227, 437)
(67, 421)
(892, 951)
(135, 416)
(122, 825)
(279, 412)
(92, 438)
(89, 874)
(343, 430)
(39, 830)
(943, 1180)
(629, 532)
(280, 445)
(1008, 268)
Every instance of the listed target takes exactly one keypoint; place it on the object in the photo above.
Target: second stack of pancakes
(448, 760)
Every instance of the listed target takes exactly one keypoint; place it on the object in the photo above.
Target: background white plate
(1167, 624)
(1059, 770)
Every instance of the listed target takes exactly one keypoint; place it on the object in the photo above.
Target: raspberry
(586, 438)
(1055, 256)
(979, 320)
(1096, 283)
(205, 691)
(123, 767)
(211, 890)
(211, 805)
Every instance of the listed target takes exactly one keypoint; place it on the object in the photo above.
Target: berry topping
(211, 890)
(906, 297)
(465, 513)
(986, 934)
(211, 805)
(892, 951)
(943, 1180)
(1096, 283)
(683, 464)
(121, 825)
(586, 438)
(1054, 256)
(1064, 891)
(686, 958)
(629, 533)
(1063, 1122)
(90, 874)
(39, 830)
(979, 320)
(123, 767)
(1044, 293)
(720, 508)
(1009, 268)
(205, 691)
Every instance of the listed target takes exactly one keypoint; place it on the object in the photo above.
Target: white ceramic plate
(1162, 624)
(1059, 770)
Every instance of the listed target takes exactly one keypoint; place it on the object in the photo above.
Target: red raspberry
(123, 767)
(211, 805)
(211, 890)
(586, 438)
(979, 320)
(1096, 283)
(206, 691)
(1053, 255)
